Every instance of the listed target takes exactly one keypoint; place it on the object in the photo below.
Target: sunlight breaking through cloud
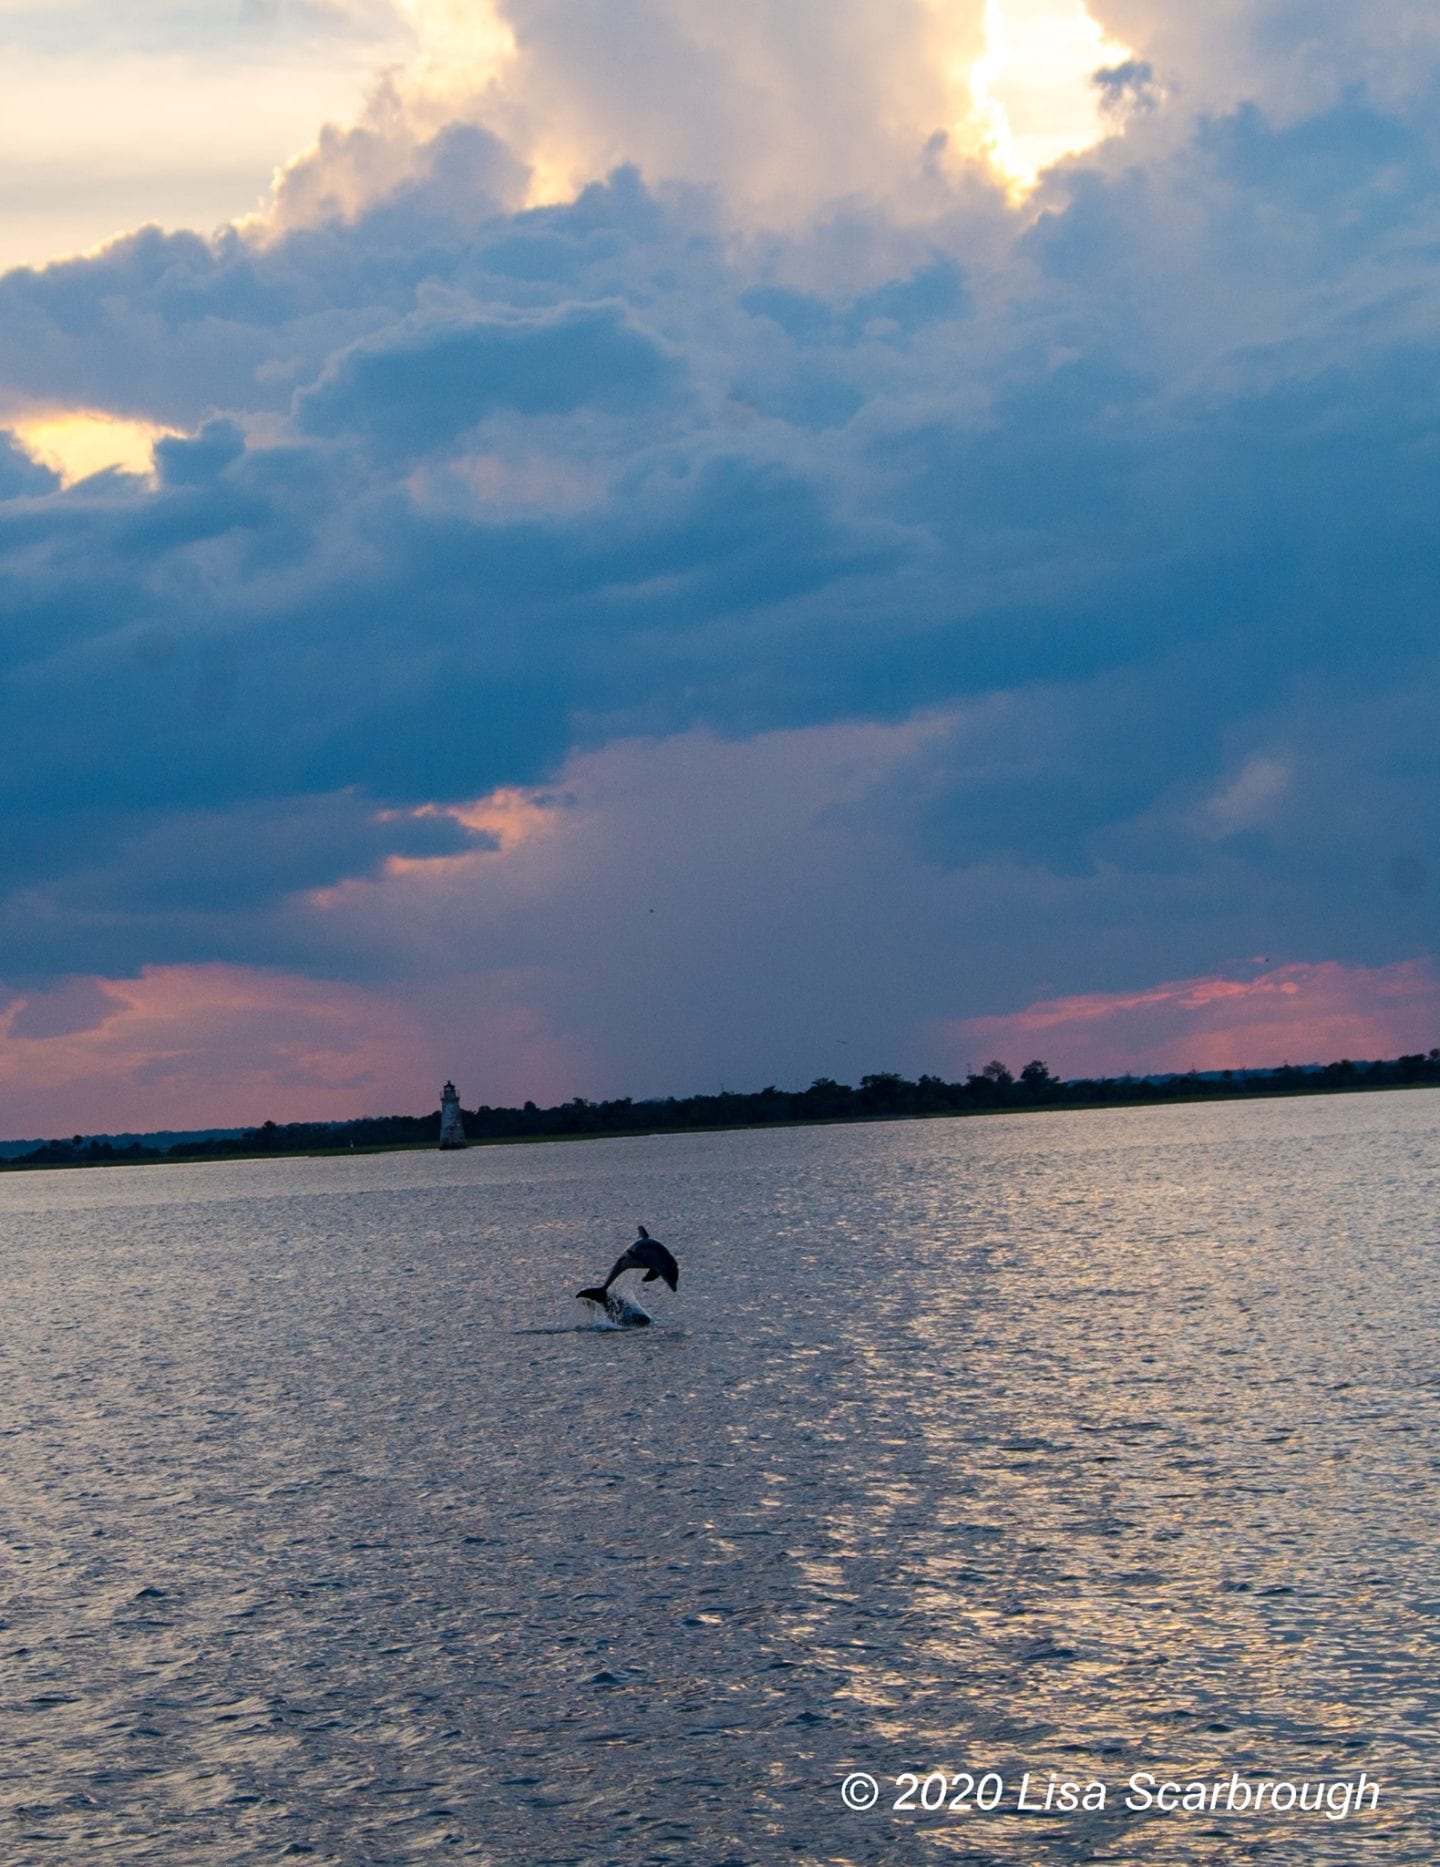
(1034, 89)
(464, 45)
(79, 442)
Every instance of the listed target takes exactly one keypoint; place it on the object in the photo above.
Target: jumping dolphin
(646, 1254)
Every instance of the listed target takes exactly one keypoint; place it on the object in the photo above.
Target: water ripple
(1075, 1445)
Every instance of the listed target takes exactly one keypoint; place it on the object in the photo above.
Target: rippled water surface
(1077, 1444)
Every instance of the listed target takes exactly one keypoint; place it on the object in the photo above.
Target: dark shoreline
(586, 1121)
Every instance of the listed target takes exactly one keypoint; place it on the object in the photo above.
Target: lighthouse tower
(452, 1129)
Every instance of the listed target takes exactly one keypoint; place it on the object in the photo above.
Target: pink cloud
(227, 1046)
(1297, 1013)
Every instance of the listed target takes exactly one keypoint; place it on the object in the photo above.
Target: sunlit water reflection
(1077, 1444)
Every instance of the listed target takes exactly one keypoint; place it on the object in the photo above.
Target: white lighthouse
(452, 1129)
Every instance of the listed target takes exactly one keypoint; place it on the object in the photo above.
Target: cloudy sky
(624, 546)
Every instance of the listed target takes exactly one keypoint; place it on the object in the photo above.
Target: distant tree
(826, 1099)
(996, 1072)
(1036, 1077)
(885, 1093)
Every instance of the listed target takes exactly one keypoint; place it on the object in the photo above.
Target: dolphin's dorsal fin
(643, 1232)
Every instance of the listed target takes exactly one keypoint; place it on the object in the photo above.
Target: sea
(974, 1460)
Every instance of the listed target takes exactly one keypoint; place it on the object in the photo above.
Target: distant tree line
(884, 1096)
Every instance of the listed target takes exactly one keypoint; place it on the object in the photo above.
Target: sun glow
(79, 442)
(1033, 92)
(466, 50)
(464, 44)
(512, 816)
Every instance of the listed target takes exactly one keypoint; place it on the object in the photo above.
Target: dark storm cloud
(256, 854)
(197, 462)
(933, 293)
(79, 1005)
(421, 385)
(19, 474)
(463, 488)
